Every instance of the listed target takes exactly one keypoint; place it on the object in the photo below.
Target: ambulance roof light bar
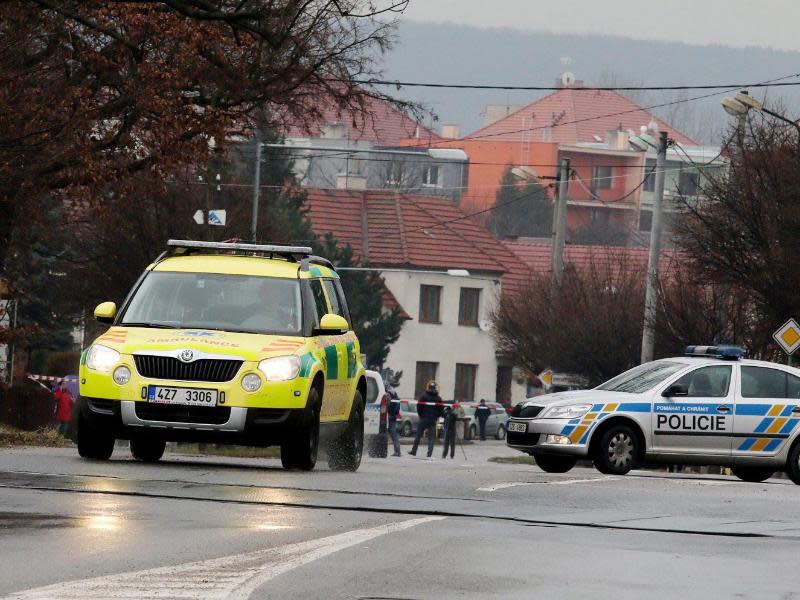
(256, 248)
(724, 352)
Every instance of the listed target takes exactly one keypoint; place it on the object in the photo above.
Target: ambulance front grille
(210, 370)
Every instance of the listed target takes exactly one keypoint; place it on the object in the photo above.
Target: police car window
(793, 387)
(761, 382)
(319, 299)
(642, 378)
(707, 382)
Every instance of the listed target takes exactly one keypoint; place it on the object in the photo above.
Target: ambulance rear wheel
(300, 450)
(618, 450)
(147, 449)
(93, 443)
(550, 463)
(753, 474)
(793, 463)
(344, 453)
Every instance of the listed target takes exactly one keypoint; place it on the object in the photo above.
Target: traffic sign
(788, 336)
(217, 217)
(199, 217)
(546, 377)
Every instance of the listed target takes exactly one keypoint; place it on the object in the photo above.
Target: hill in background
(447, 53)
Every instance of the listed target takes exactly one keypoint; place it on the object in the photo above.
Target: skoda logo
(186, 355)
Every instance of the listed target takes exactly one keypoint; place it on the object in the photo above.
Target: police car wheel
(753, 474)
(617, 452)
(793, 463)
(550, 463)
(300, 450)
(147, 449)
(344, 453)
(93, 443)
(501, 433)
(473, 432)
(407, 429)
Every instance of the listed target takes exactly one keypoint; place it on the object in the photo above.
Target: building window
(688, 182)
(465, 383)
(426, 371)
(601, 178)
(468, 307)
(430, 177)
(429, 299)
(650, 177)
(645, 220)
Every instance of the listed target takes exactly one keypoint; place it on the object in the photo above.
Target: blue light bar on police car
(729, 352)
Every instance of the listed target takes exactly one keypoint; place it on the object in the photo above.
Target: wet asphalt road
(200, 527)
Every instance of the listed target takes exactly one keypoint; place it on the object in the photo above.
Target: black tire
(550, 463)
(793, 463)
(473, 432)
(618, 450)
(407, 429)
(344, 453)
(501, 433)
(753, 474)
(93, 443)
(147, 449)
(300, 450)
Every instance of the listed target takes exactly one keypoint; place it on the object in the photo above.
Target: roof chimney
(451, 132)
(618, 139)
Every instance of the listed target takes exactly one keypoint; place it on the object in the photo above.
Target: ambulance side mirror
(676, 390)
(105, 312)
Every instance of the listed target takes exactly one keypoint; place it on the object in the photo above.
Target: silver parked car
(496, 424)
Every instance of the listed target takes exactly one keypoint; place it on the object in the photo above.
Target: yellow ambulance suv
(227, 343)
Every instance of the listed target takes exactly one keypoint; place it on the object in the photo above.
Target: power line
(550, 88)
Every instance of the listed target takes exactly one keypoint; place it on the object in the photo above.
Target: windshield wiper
(149, 325)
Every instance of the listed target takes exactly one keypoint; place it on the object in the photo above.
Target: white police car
(709, 406)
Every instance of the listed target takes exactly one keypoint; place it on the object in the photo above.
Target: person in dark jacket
(429, 412)
(482, 413)
(450, 422)
(392, 413)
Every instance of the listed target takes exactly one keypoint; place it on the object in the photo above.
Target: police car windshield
(642, 378)
(238, 303)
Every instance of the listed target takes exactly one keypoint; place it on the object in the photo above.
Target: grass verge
(47, 436)
(522, 459)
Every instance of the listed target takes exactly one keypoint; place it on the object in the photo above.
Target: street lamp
(743, 102)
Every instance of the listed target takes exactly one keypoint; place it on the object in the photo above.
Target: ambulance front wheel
(299, 451)
(93, 442)
(550, 463)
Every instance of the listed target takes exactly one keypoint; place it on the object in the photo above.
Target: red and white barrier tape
(52, 378)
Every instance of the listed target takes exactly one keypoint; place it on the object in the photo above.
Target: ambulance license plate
(518, 427)
(158, 394)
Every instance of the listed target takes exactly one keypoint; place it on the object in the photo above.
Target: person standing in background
(64, 401)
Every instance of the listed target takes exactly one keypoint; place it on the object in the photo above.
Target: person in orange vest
(64, 401)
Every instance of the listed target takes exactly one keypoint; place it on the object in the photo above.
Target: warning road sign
(788, 336)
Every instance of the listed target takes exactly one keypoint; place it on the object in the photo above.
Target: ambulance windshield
(642, 378)
(236, 303)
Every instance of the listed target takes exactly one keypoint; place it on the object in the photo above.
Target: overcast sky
(770, 23)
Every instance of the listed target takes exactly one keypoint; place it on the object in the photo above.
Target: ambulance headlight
(572, 411)
(280, 368)
(101, 358)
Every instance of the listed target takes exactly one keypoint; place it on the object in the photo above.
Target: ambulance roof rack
(723, 352)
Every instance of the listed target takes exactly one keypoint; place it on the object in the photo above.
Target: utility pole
(560, 223)
(651, 299)
(256, 191)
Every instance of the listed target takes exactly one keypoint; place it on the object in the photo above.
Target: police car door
(767, 411)
(696, 414)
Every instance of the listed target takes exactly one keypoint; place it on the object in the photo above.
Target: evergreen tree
(521, 210)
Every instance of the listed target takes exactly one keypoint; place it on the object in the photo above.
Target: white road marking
(501, 486)
(231, 577)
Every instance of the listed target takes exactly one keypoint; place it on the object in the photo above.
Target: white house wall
(447, 343)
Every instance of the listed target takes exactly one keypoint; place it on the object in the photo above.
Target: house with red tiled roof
(445, 271)
(601, 133)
